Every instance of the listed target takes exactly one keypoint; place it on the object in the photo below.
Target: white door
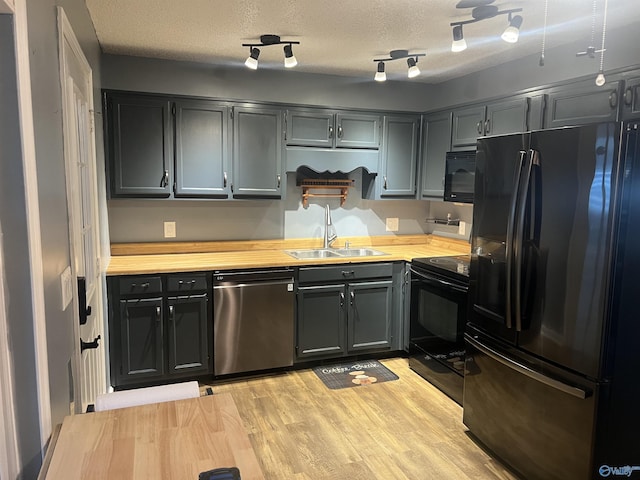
(88, 365)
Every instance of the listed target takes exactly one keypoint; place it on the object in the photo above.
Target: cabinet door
(357, 130)
(257, 152)
(436, 144)
(370, 307)
(141, 339)
(187, 335)
(309, 128)
(202, 163)
(582, 103)
(140, 148)
(468, 125)
(321, 321)
(631, 99)
(399, 156)
(508, 116)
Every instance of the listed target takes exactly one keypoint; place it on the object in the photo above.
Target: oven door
(438, 312)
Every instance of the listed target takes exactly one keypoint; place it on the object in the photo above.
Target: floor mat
(354, 374)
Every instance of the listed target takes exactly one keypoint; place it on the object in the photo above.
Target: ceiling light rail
(290, 60)
(412, 59)
(483, 12)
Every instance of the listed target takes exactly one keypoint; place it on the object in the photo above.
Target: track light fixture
(412, 59)
(483, 12)
(290, 60)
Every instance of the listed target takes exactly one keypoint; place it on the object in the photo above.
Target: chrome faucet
(330, 235)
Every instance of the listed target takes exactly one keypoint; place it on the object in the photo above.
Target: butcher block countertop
(168, 257)
(168, 440)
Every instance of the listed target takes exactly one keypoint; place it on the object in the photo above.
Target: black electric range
(438, 317)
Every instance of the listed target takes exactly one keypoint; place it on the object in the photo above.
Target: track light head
(290, 60)
(413, 71)
(459, 44)
(252, 60)
(380, 75)
(512, 32)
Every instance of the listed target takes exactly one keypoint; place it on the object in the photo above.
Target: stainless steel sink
(333, 253)
(318, 253)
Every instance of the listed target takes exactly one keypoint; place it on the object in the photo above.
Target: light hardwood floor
(399, 430)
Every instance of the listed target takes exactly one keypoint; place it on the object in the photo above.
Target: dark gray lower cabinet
(344, 317)
(159, 328)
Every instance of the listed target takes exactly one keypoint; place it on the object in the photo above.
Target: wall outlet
(66, 287)
(462, 228)
(392, 224)
(169, 229)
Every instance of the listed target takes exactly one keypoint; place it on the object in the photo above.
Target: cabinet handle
(613, 99)
(224, 181)
(628, 96)
(353, 297)
(347, 272)
(487, 126)
(330, 131)
(479, 127)
(142, 285)
(384, 185)
(279, 178)
(158, 314)
(339, 131)
(165, 179)
(341, 299)
(171, 313)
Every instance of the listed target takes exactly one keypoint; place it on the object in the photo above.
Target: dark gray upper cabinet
(436, 138)
(139, 145)
(257, 152)
(325, 128)
(399, 156)
(468, 124)
(496, 118)
(631, 99)
(582, 103)
(202, 163)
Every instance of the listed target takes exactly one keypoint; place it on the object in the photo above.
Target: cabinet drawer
(140, 285)
(186, 283)
(345, 272)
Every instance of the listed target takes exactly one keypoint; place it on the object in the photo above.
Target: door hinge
(231, 112)
(92, 121)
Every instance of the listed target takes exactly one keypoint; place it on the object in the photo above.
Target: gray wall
(16, 258)
(47, 111)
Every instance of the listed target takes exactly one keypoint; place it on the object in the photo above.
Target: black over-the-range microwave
(459, 177)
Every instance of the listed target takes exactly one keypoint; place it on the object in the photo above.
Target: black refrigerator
(552, 369)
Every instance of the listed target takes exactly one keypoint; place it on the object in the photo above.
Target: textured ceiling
(342, 37)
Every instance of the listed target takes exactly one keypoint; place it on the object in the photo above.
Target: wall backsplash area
(205, 220)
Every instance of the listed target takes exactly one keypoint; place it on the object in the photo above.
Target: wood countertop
(170, 257)
(168, 440)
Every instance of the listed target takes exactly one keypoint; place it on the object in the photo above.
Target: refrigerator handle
(518, 248)
(510, 240)
(524, 370)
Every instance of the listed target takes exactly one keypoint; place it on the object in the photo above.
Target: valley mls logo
(626, 471)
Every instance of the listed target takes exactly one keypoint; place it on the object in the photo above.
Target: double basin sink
(333, 253)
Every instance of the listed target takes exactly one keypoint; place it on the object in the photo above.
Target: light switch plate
(462, 228)
(392, 224)
(66, 287)
(169, 229)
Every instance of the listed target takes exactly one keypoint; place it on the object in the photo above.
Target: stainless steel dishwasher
(253, 320)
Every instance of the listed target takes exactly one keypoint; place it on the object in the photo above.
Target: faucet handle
(346, 244)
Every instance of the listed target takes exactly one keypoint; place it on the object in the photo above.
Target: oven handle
(438, 281)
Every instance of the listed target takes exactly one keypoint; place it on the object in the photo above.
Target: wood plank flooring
(399, 430)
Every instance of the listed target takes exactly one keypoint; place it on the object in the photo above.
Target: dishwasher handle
(253, 276)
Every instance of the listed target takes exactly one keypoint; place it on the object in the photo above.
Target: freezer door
(499, 162)
(569, 254)
(538, 422)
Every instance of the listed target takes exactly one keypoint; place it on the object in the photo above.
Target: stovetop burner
(457, 264)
